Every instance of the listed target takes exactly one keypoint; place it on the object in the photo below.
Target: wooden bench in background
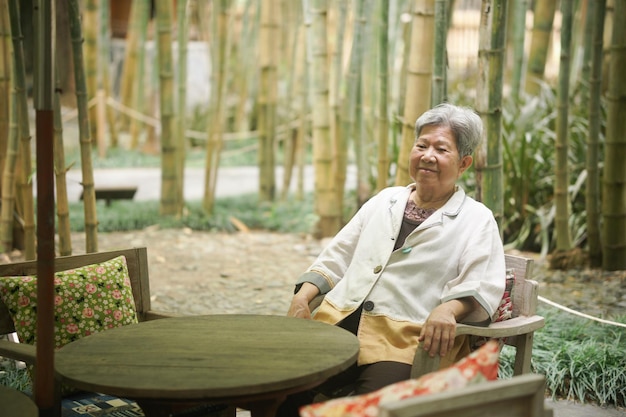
(114, 193)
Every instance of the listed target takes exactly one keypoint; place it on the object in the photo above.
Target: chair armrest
(507, 328)
(154, 315)
(18, 351)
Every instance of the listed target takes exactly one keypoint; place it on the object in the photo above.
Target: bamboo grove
(336, 84)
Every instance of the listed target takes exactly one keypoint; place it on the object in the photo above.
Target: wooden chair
(137, 262)
(517, 331)
(520, 396)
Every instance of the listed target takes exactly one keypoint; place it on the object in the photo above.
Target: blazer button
(377, 269)
(368, 305)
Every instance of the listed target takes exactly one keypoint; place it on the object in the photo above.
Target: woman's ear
(466, 162)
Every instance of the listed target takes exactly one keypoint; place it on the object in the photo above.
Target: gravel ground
(206, 273)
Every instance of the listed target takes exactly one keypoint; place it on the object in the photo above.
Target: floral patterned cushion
(505, 309)
(87, 300)
(479, 366)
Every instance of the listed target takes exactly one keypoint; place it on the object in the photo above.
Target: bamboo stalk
(418, 80)
(383, 106)
(5, 78)
(215, 134)
(592, 197)
(89, 193)
(561, 168)
(105, 67)
(24, 184)
(60, 171)
(169, 157)
(138, 93)
(268, 57)
(90, 48)
(183, 10)
(8, 177)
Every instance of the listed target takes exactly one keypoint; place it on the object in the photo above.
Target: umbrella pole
(44, 82)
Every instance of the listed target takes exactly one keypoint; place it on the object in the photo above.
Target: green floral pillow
(87, 300)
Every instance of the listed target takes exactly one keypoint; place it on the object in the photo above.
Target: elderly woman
(413, 261)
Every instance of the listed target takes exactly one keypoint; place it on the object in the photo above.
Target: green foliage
(529, 141)
(581, 360)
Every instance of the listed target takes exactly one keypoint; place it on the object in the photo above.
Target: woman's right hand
(299, 307)
(300, 302)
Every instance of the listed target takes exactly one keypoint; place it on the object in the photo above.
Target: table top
(214, 357)
(16, 403)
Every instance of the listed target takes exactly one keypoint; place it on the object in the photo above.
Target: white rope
(577, 313)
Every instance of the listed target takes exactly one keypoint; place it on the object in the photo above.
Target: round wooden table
(251, 361)
(16, 404)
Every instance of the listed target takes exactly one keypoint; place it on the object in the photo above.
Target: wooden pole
(43, 100)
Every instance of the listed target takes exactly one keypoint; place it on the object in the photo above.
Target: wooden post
(43, 100)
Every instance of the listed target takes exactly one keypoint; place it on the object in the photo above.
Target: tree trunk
(614, 178)
(561, 170)
(169, 147)
(419, 80)
(540, 44)
(89, 192)
(592, 196)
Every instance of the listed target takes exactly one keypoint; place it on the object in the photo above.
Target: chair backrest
(520, 396)
(136, 259)
(525, 290)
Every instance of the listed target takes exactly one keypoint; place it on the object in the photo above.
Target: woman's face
(435, 159)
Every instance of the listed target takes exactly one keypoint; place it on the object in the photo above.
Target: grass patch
(15, 377)
(282, 216)
(582, 360)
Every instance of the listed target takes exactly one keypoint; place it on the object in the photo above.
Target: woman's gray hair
(466, 125)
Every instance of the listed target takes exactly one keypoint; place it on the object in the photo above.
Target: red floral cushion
(479, 366)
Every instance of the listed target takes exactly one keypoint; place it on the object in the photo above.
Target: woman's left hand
(439, 330)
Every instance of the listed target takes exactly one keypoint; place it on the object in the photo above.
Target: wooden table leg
(264, 408)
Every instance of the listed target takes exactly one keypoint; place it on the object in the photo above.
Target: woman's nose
(429, 155)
